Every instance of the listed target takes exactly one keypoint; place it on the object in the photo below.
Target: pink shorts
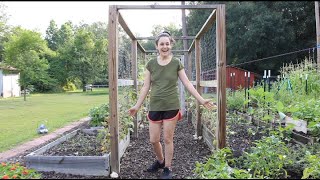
(159, 116)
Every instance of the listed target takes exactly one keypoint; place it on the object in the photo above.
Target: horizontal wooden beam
(212, 6)
(152, 51)
(212, 83)
(175, 38)
(127, 82)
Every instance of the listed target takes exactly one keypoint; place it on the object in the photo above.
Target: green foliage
(296, 101)
(209, 118)
(312, 170)
(217, 167)
(26, 51)
(104, 138)
(267, 28)
(236, 101)
(69, 86)
(267, 158)
(126, 101)
(99, 114)
(262, 102)
(17, 171)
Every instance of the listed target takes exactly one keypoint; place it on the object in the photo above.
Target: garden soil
(139, 155)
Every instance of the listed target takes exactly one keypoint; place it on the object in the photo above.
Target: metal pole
(234, 83)
(245, 87)
(248, 88)
(316, 6)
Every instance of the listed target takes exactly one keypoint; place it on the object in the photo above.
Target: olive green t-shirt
(164, 85)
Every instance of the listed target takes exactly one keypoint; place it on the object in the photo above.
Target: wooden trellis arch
(218, 16)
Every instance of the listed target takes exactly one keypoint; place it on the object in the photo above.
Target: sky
(36, 15)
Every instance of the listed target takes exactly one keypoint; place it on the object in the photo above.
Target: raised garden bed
(72, 163)
(298, 137)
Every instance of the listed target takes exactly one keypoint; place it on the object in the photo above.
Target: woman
(161, 76)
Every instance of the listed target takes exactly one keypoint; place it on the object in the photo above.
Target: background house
(9, 82)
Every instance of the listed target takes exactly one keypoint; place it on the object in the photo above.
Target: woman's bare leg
(155, 132)
(169, 127)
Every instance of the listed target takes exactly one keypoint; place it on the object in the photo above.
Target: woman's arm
(185, 81)
(143, 93)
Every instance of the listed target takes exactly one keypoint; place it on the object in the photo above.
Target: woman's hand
(208, 104)
(132, 111)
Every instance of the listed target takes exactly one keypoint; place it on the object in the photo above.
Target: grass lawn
(20, 119)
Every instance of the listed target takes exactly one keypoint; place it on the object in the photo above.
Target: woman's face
(164, 46)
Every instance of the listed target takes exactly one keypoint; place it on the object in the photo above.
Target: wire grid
(124, 55)
(126, 93)
(208, 55)
(208, 73)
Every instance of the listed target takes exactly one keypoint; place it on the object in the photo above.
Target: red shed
(236, 77)
(233, 82)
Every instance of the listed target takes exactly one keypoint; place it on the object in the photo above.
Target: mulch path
(139, 156)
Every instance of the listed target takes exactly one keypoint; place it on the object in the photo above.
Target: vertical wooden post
(221, 62)
(182, 93)
(316, 8)
(185, 47)
(189, 73)
(198, 70)
(113, 87)
(135, 81)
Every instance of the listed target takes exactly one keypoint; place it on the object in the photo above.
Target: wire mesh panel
(126, 91)
(124, 56)
(208, 56)
(141, 65)
(208, 81)
(208, 74)
(191, 101)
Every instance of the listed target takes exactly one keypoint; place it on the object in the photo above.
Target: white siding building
(9, 82)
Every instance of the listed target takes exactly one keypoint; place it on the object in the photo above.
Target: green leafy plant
(17, 171)
(262, 102)
(99, 114)
(236, 101)
(104, 138)
(267, 158)
(209, 118)
(217, 167)
(312, 170)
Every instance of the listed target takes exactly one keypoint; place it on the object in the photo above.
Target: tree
(261, 29)
(60, 40)
(52, 35)
(4, 29)
(83, 64)
(26, 51)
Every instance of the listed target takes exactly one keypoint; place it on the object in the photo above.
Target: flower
(17, 171)
(5, 177)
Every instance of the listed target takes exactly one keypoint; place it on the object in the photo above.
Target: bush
(69, 86)
(98, 114)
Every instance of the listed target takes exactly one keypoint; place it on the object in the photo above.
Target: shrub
(98, 114)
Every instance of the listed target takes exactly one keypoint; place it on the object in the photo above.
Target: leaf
(280, 106)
